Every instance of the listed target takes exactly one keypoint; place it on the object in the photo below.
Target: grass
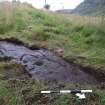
(15, 85)
(96, 98)
(51, 31)
(17, 88)
(79, 40)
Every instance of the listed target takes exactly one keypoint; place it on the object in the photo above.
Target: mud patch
(98, 73)
(45, 66)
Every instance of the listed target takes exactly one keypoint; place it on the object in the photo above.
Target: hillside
(51, 31)
(90, 7)
(65, 11)
(75, 42)
(87, 7)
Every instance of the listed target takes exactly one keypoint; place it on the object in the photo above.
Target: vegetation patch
(53, 31)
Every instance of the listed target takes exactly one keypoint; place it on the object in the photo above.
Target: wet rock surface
(44, 65)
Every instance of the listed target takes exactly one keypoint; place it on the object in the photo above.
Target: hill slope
(51, 31)
(87, 7)
(90, 7)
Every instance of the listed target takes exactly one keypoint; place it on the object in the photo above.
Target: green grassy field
(55, 31)
(85, 43)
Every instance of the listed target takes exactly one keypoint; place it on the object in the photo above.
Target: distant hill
(89, 7)
(65, 11)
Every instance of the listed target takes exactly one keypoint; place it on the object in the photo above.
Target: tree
(47, 6)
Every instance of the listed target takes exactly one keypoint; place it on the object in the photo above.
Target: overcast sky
(55, 4)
